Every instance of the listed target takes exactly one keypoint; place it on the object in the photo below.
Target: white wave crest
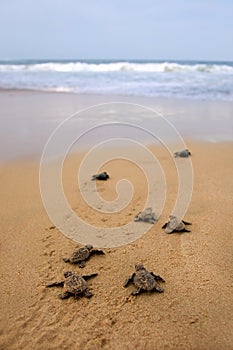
(163, 67)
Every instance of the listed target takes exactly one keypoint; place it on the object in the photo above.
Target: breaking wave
(150, 67)
(197, 79)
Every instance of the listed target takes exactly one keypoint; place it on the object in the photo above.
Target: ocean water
(182, 79)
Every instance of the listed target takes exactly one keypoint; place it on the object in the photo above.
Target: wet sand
(195, 310)
(27, 118)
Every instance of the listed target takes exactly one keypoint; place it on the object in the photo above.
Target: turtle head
(139, 267)
(68, 274)
(172, 217)
(89, 246)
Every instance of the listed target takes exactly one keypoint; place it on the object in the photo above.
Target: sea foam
(117, 67)
(201, 80)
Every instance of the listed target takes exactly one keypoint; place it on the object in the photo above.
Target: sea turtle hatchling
(74, 285)
(144, 281)
(175, 225)
(81, 255)
(185, 153)
(102, 176)
(146, 215)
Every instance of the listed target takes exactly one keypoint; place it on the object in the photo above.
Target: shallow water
(27, 120)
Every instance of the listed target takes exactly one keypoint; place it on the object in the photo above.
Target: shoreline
(116, 96)
(27, 119)
(36, 158)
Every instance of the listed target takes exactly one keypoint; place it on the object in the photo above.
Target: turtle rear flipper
(87, 277)
(169, 230)
(151, 220)
(65, 295)
(137, 217)
(81, 264)
(87, 294)
(183, 230)
(165, 225)
(137, 291)
(55, 284)
(157, 289)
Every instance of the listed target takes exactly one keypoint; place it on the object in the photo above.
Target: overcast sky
(146, 29)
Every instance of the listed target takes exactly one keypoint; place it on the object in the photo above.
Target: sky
(114, 29)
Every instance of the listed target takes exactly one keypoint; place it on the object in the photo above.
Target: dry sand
(194, 312)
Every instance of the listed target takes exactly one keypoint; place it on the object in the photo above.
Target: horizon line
(115, 59)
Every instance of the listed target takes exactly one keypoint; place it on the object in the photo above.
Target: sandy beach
(195, 310)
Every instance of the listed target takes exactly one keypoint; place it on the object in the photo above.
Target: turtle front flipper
(186, 222)
(129, 280)
(55, 284)
(165, 225)
(157, 277)
(65, 295)
(97, 252)
(86, 277)
(66, 260)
